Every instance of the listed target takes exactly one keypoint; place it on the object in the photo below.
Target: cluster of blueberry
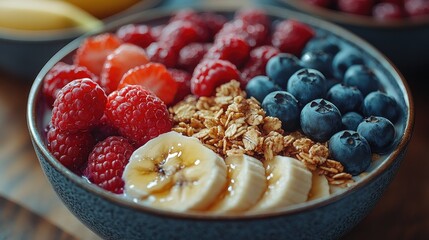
(330, 94)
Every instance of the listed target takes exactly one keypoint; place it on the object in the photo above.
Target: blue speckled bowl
(113, 217)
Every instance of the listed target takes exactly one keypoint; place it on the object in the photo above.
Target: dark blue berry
(330, 82)
(345, 98)
(343, 60)
(381, 104)
(324, 43)
(319, 60)
(352, 150)
(361, 77)
(306, 85)
(259, 87)
(284, 106)
(320, 119)
(378, 131)
(281, 67)
(351, 120)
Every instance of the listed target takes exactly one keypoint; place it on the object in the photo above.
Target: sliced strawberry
(94, 50)
(154, 77)
(119, 62)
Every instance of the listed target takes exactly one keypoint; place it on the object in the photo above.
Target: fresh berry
(213, 22)
(103, 129)
(106, 163)
(351, 150)
(210, 74)
(307, 84)
(230, 48)
(79, 106)
(254, 34)
(162, 53)
(61, 74)
(157, 30)
(416, 8)
(281, 67)
(363, 78)
(70, 149)
(343, 60)
(387, 11)
(183, 80)
(345, 98)
(189, 15)
(260, 86)
(138, 114)
(291, 36)
(319, 60)
(284, 106)
(351, 120)
(192, 54)
(320, 119)
(359, 7)
(94, 50)
(178, 34)
(119, 62)
(380, 104)
(324, 43)
(139, 35)
(253, 16)
(154, 77)
(378, 131)
(256, 65)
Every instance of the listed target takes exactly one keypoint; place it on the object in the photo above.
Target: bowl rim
(353, 19)
(159, 13)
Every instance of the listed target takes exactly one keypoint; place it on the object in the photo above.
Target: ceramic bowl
(114, 217)
(403, 41)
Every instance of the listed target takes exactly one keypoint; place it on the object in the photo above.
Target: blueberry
(352, 150)
(361, 77)
(345, 98)
(343, 60)
(281, 67)
(284, 106)
(381, 104)
(320, 119)
(351, 120)
(259, 87)
(306, 85)
(378, 131)
(330, 82)
(324, 43)
(319, 60)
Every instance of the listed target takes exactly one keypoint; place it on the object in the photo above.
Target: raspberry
(139, 35)
(253, 16)
(254, 34)
(162, 53)
(94, 50)
(210, 74)
(192, 54)
(178, 34)
(119, 62)
(291, 36)
(104, 129)
(138, 114)
(70, 149)
(60, 75)
(183, 80)
(79, 106)
(359, 7)
(106, 163)
(257, 62)
(189, 15)
(386, 11)
(213, 22)
(157, 30)
(416, 8)
(231, 48)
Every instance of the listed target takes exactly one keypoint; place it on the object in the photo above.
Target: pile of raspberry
(114, 96)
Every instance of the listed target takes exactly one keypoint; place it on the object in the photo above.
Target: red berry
(60, 75)
(257, 62)
(254, 34)
(386, 11)
(94, 50)
(192, 54)
(359, 7)
(70, 149)
(416, 8)
(320, 3)
(154, 77)
(139, 35)
(253, 16)
(210, 74)
(162, 53)
(104, 129)
(189, 15)
(107, 161)
(213, 22)
(178, 34)
(291, 36)
(79, 106)
(138, 114)
(157, 30)
(183, 80)
(231, 48)
(119, 62)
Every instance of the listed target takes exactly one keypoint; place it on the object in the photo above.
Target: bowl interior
(390, 79)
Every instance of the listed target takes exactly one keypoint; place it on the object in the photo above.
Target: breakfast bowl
(117, 216)
(402, 39)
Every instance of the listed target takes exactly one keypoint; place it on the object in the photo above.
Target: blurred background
(29, 209)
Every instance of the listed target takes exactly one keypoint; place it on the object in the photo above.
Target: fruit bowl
(114, 216)
(401, 39)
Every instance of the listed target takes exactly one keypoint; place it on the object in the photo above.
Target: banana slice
(246, 184)
(289, 182)
(175, 172)
(319, 187)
